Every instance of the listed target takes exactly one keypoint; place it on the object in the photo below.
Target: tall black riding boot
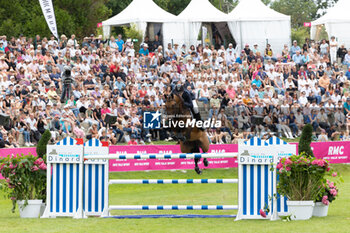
(197, 116)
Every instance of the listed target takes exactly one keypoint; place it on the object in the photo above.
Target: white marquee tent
(139, 12)
(253, 22)
(190, 21)
(336, 22)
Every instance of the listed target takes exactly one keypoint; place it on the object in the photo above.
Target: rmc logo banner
(334, 152)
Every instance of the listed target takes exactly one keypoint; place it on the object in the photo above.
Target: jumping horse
(194, 139)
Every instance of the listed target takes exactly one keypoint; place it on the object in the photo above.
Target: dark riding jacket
(187, 97)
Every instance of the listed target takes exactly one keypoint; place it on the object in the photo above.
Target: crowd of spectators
(252, 91)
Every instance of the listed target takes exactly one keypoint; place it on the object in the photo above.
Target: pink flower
(331, 185)
(34, 168)
(334, 192)
(288, 168)
(13, 198)
(287, 162)
(11, 186)
(325, 200)
(43, 166)
(8, 180)
(279, 166)
(38, 161)
(322, 163)
(2, 166)
(334, 174)
(262, 213)
(328, 168)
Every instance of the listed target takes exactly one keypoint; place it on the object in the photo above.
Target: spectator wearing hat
(268, 54)
(144, 50)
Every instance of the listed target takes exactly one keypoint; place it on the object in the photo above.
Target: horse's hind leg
(195, 149)
(204, 144)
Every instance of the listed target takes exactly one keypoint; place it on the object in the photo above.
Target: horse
(195, 139)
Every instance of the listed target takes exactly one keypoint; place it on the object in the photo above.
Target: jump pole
(164, 156)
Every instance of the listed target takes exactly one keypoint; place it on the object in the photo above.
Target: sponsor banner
(94, 150)
(307, 24)
(166, 164)
(264, 155)
(334, 152)
(64, 153)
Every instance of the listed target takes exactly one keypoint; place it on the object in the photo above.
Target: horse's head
(173, 104)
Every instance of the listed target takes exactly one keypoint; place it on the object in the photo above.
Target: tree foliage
(301, 10)
(133, 33)
(44, 140)
(299, 34)
(305, 141)
(81, 16)
(25, 17)
(323, 5)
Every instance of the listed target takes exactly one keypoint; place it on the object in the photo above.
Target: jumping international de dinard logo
(153, 120)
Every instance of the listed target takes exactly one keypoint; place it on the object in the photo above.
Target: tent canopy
(255, 10)
(336, 22)
(139, 12)
(338, 14)
(202, 11)
(190, 20)
(252, 22)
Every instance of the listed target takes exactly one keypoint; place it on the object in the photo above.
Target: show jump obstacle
(78, 182)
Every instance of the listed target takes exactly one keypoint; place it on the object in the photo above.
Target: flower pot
(300, 210)
(320, 210)
(32, 210)
(42, 209)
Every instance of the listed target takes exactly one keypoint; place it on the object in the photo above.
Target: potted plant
(330, 192)
(25, 177)
(301, 179)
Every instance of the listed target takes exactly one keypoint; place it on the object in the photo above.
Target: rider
(189, 101)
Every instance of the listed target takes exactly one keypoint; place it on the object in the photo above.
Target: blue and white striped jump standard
(173, 207)
(64, 179)
(95, 189)
(175, 181)
(164, 156)
(257, 181)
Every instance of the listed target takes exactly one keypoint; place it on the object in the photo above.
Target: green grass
(338, 219)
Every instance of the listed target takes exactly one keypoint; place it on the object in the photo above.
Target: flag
(49, 14)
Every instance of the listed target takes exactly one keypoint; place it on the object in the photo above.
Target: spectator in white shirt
(303, 99)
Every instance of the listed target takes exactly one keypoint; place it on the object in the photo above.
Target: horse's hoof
(198, 170)
(205, 162)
